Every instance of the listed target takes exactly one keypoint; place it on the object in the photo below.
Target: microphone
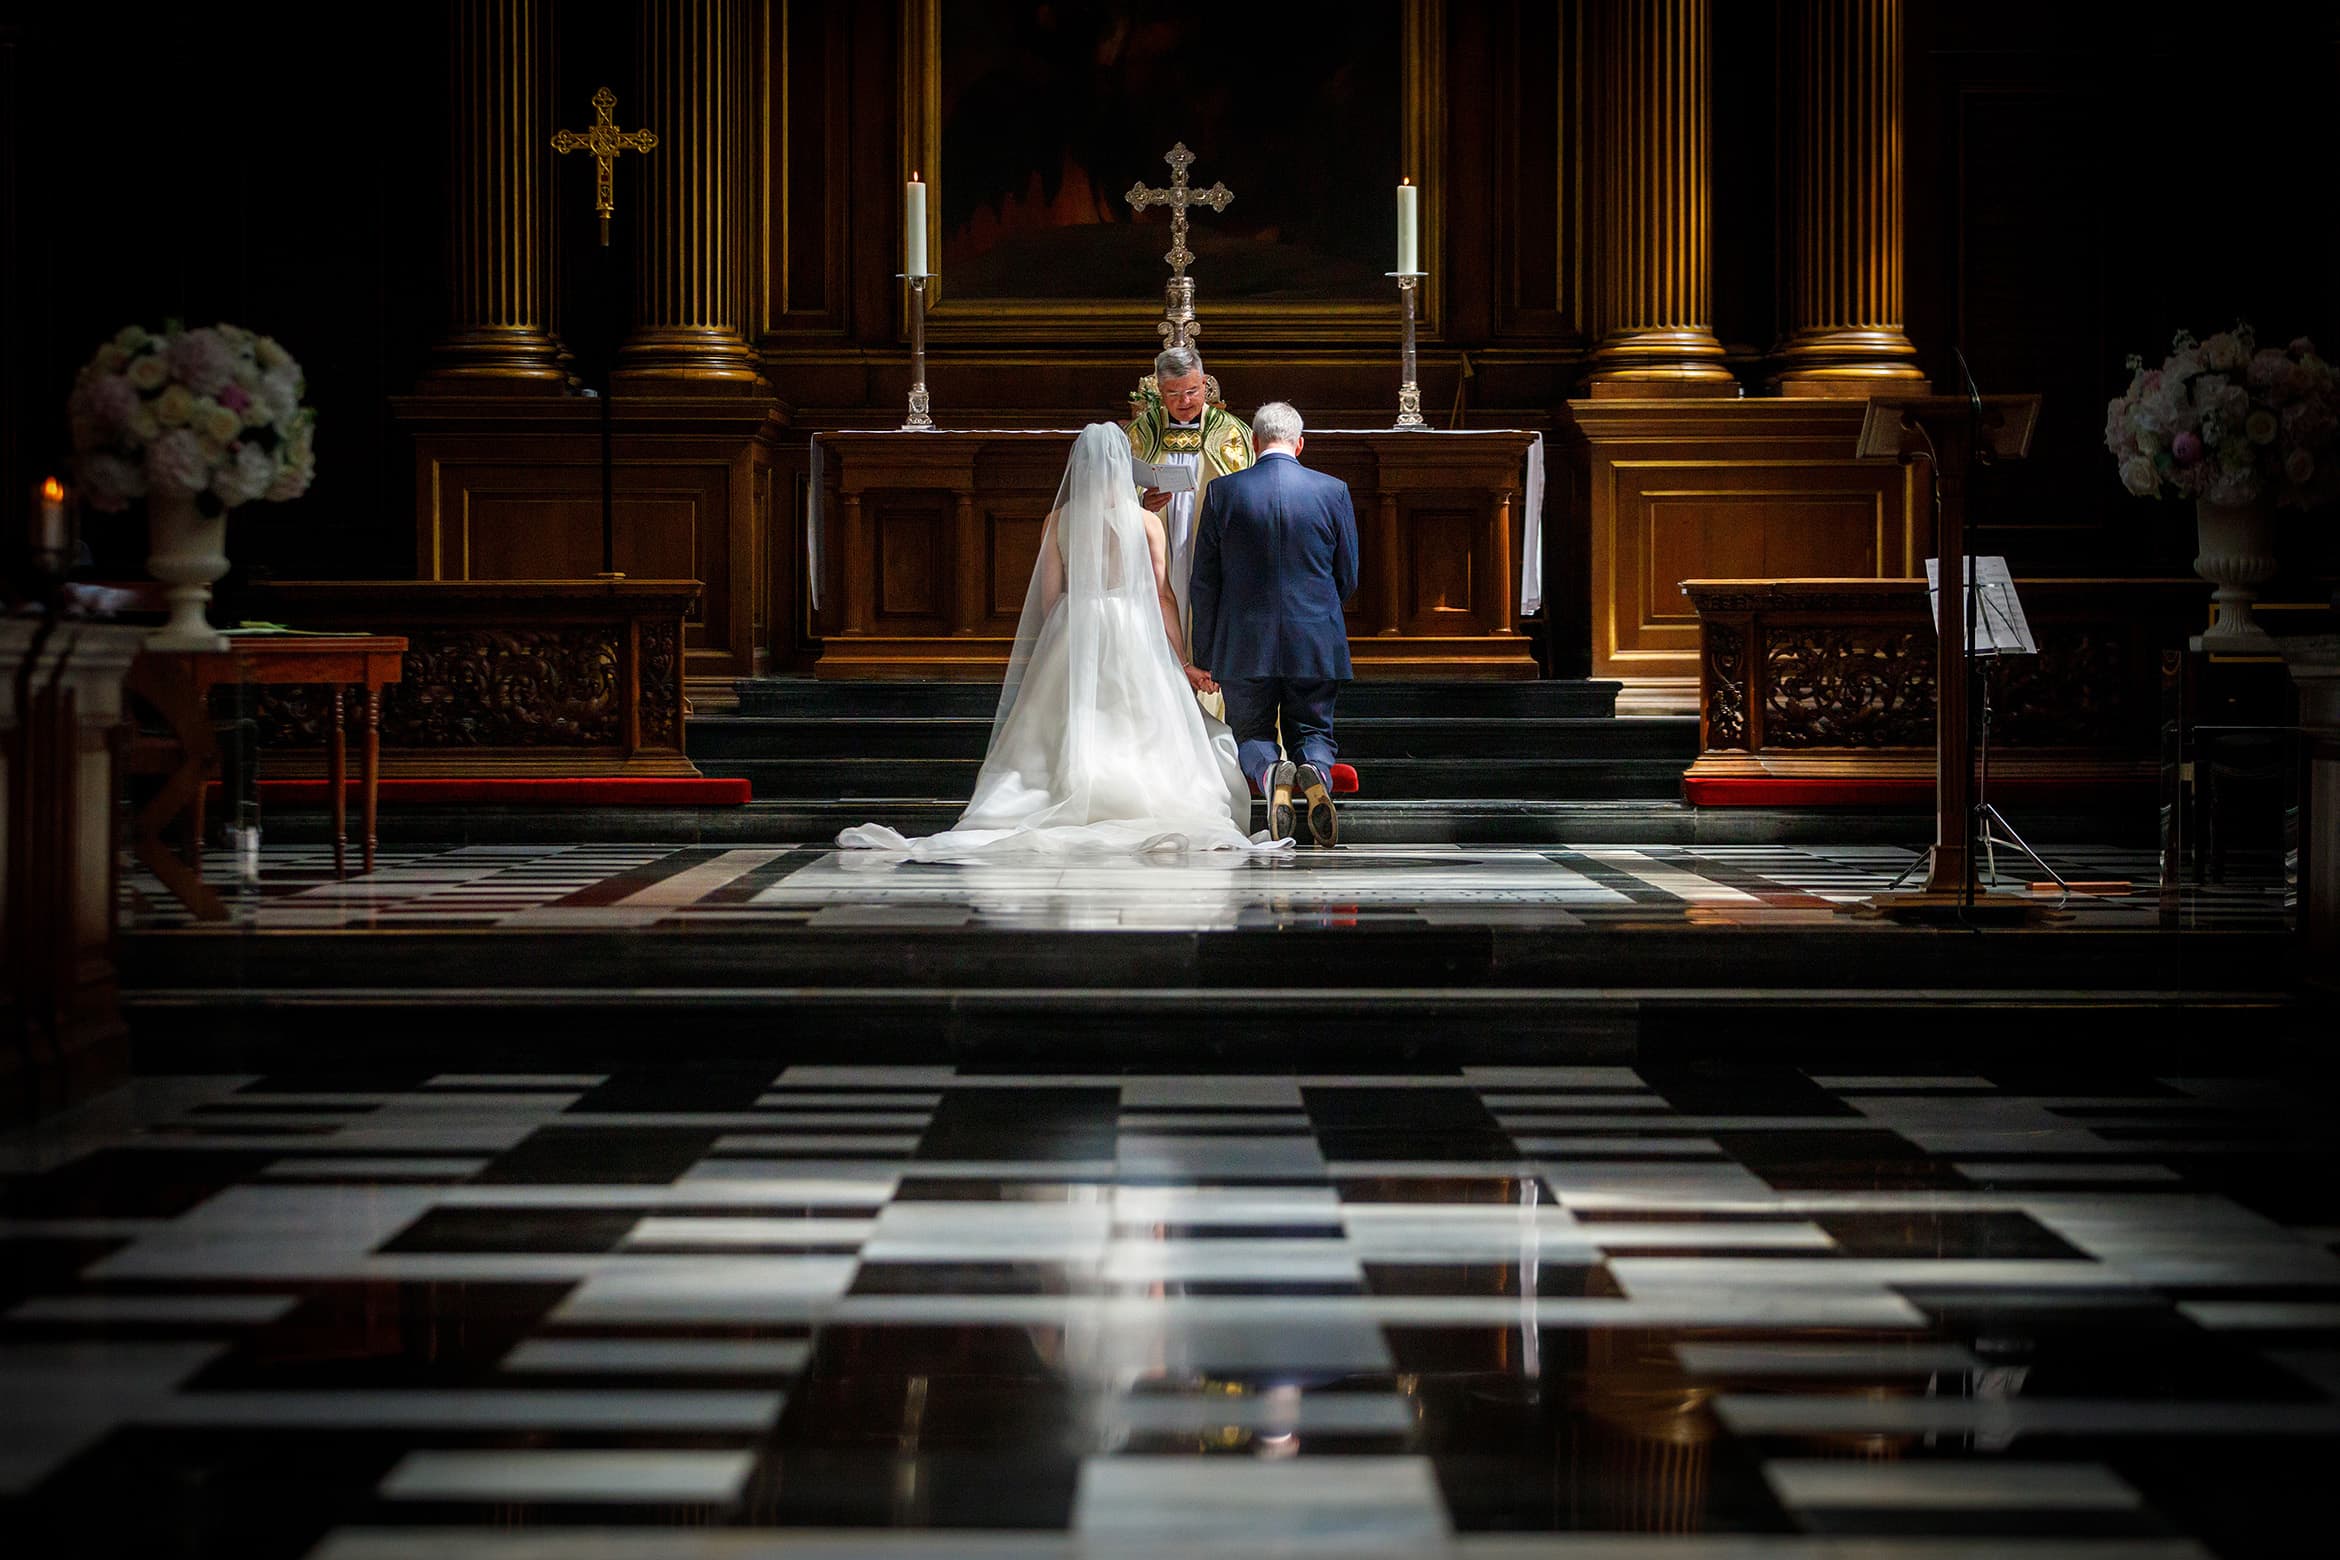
(1974, 408)
(1973, 393)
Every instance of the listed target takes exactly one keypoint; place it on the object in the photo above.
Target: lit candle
(1409, 228)
(50, 538)
(914, 227)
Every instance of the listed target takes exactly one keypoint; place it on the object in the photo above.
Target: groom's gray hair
(1176, 363)
(1278, 422)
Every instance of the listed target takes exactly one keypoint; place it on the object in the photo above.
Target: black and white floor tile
(618, 887)
(1686, 1311)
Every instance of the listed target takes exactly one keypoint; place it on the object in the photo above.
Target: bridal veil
(1097, 743)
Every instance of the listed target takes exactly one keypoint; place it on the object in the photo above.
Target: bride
(1098, 744)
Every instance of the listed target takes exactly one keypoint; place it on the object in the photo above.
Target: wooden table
(179, 683)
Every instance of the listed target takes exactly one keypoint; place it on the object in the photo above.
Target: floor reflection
(390, 1316)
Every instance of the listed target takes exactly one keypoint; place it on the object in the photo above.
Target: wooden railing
(501, 677)
(1833, 679)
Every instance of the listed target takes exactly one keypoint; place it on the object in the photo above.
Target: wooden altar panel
(509, 488)
(1676, 490)
(935, 534)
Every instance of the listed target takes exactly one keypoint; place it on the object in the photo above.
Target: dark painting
(1052, 109)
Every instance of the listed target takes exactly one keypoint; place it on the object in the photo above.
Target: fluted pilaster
(1840, 207)
(500, 251)
(1650, 64)
(691, 235)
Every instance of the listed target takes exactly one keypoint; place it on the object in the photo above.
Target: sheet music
(1999, 625)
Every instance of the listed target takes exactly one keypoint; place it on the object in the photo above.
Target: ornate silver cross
(1178, 197)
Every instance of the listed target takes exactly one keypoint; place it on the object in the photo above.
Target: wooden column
(1841, 202)
(691, 240)
(1652, 210)
(1505, 586)
(500, 256)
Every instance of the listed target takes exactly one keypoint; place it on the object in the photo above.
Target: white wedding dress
(1098, 745)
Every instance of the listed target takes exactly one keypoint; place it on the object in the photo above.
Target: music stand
(1951, 434)
(1994, 626)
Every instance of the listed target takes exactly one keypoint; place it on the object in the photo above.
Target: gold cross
(1178, 197)
(605, 140)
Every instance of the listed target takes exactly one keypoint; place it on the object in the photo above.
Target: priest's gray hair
(1276, 423)
(1176, 363)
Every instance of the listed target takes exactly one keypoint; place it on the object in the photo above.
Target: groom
(1275, 554)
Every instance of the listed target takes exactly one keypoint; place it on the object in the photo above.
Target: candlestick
(1409, 255)
(919, 417)
(914, 227)
(1409, 393)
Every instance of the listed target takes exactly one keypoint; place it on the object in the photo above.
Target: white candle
(1409, 228)
(914, 227)
(49, 519)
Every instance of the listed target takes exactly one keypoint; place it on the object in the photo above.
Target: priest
(1176, 425)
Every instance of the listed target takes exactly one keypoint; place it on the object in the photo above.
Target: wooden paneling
(1441, 547)
(1672, 491)
(913, 557)
(802, 68)
(934, 536)
(510, 489)
(1013, 536)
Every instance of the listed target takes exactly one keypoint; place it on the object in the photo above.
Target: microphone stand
(609, 311)
(1977, 689)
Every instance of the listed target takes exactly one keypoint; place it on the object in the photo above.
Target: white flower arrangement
(215, 411)
(2229, 421)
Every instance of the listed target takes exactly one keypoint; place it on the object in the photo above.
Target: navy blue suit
(1275, 555)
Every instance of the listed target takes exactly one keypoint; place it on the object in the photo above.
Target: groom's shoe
(1324, 820)
(1281, 780)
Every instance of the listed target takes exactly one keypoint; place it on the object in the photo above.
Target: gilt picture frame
(1284, 269)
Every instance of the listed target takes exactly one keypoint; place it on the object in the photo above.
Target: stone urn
(2235, 551)
(186, 550)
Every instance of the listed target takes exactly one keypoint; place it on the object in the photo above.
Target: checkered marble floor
(1692, 1310)
(606, 887)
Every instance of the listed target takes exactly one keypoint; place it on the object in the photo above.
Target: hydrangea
(2229, 421)
(215, 411)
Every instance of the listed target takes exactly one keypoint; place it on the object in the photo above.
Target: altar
(920, 546)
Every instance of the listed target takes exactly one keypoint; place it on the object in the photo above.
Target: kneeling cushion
(1344, 781)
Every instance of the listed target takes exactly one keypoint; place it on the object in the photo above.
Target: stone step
(953, 779)
(1580, 698)
(1364, 739)
(1463, 964)
(1108, 1029)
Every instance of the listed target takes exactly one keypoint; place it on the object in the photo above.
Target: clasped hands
(1201, 681)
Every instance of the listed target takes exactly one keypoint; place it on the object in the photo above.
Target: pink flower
(107, 399)
(2301, 347)
(2186, 448)
(176, 460)
(2299, 466)
(234, 397)
(201, 361)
